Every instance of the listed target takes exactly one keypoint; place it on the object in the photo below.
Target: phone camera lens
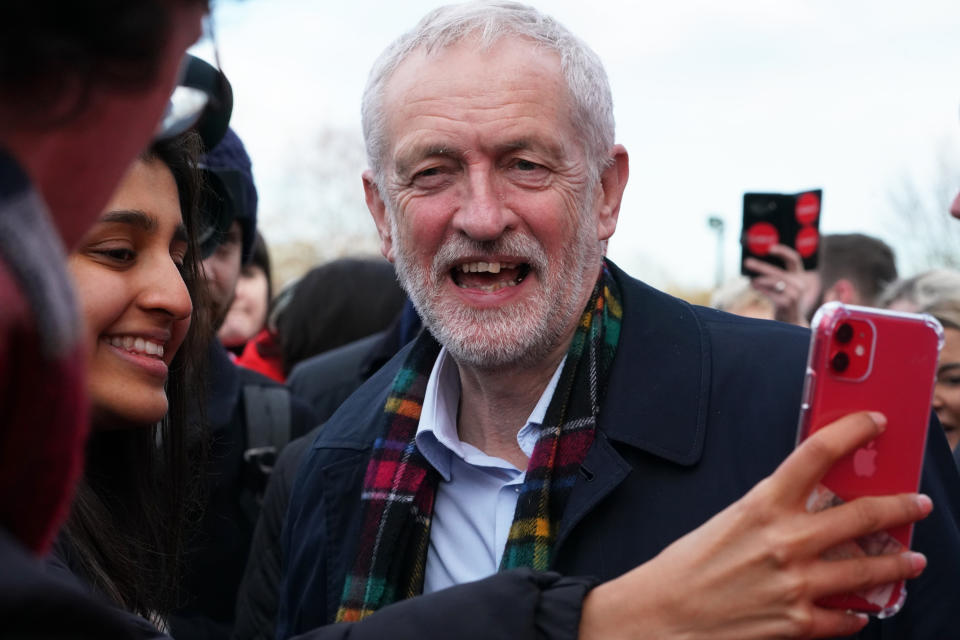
(844, 333)
(840, 362)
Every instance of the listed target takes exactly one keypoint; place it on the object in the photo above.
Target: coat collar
(658, 386)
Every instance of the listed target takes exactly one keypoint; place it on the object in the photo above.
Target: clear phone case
(865, 359)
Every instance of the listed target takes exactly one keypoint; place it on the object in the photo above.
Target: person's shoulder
(355, 424)
(650, 300)
(334, 365)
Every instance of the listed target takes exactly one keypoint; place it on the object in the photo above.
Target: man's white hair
(488, 21)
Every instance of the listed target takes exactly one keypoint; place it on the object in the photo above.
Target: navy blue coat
(701, 405)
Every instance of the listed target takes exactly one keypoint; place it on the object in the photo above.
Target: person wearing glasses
(83, 87)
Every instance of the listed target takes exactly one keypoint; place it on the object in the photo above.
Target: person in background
(737, 296)
(250, 418)
(559, 419)
(946, 392)
(336, 303)
(921, 291)
(137, 274)
(853, 268)
(247, 315)
(70, 125)
(245, 331)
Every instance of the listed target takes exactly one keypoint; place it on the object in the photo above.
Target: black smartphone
(778, 218)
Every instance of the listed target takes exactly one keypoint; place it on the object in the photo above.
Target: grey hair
(490, 20)
(924, 290)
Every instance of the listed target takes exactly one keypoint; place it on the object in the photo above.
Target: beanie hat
(228, 171)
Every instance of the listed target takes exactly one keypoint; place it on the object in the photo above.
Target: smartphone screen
(776, 218)
(871, 360)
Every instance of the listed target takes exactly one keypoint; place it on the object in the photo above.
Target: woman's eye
(949, 380)
(119, 254)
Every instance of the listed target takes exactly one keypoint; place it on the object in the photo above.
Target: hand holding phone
(771, 219)
(871, 360)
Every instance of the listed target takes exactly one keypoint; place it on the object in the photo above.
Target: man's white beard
(521, 333)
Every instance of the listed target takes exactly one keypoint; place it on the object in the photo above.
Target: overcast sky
(711, 99)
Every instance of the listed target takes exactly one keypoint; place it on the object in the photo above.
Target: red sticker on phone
(807, 241)
(760, 237)
(808, 208)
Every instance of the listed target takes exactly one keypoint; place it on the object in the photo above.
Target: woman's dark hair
(337, 303)
(49, 48)
(126, 532)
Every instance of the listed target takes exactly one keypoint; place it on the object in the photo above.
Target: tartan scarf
(400, 485)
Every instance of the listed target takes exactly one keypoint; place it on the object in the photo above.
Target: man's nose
(483, 216)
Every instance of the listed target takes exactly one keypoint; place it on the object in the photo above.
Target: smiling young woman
(137, 278)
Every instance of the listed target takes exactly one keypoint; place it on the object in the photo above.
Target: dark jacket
(327, 379)
(38, 602)
(218, 553)
(701, 405)
(257, 598)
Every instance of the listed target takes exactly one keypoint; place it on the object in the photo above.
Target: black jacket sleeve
(513, 605)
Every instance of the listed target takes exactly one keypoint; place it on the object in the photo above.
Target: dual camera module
(851, 349)
(840, 361)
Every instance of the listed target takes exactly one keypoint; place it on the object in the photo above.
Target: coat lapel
(657, 395)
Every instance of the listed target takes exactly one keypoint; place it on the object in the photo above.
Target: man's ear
(843, 291)
(613, 180)
(378, 209)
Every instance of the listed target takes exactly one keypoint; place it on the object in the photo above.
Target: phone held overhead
(775, 218)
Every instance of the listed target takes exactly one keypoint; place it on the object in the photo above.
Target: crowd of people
(495, 432)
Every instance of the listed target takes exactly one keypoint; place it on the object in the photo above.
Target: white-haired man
(560, 416)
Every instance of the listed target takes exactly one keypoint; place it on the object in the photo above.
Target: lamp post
(715, 222)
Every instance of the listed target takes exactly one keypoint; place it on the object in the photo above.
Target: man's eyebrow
(132, 217)
(553, 150)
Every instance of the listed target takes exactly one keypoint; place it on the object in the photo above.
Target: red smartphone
(871, 360)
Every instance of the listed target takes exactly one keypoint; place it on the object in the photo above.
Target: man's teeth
(485, 267)
(137, 345)
(490, 288)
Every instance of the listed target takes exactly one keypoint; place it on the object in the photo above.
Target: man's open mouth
(489, 276)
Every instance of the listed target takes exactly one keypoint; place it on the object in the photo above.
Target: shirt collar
(437, 436)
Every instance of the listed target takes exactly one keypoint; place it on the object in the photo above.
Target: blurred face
(222, 271)
(492, 213)
(946, 394)
(134, 300)
(248, 313)
(117, 125)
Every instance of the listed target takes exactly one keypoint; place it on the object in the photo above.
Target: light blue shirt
(477, 496)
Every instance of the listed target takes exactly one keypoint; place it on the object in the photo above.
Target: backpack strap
(267, 413)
